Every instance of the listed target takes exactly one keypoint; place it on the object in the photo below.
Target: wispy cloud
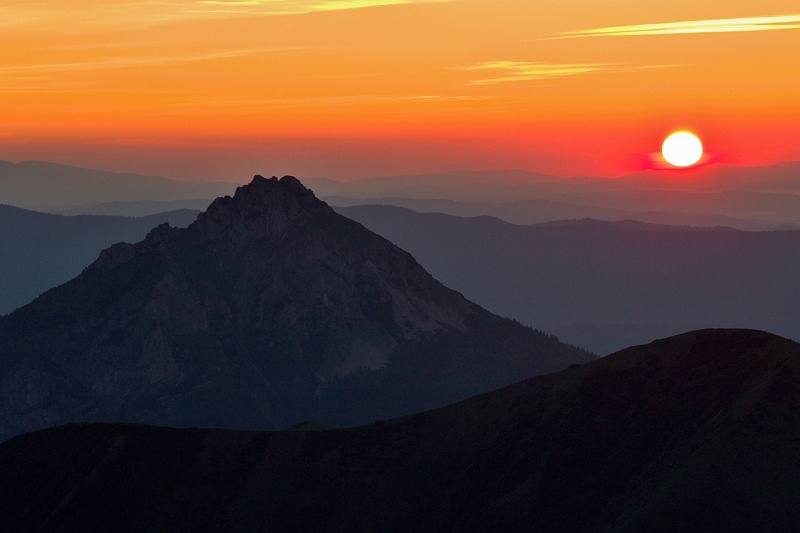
(746, 24)
(509, 71)
(440, 98)
(247, 104)
(27, 16)
(308, 6)
(121, 62)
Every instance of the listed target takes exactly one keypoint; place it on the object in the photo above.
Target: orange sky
(351, 88)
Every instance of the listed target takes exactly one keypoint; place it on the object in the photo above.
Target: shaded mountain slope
(41, 250)
(699, 432)
(606, 285)
(267, 310)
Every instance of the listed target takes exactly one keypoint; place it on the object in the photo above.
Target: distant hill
(606, 285)
(267, 310)
(137, 208)
(741, 197)
(697, 432)
(53, 187)
(41, 250)
(535, 211)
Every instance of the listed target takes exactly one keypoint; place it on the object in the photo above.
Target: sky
(344, 89)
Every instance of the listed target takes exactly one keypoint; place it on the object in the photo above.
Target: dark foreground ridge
(268, 310)
(699, 432)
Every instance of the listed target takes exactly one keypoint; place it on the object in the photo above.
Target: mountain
(51, 187)
(701, 277)
(606, 285)
(698, 432)
(269, 309)
(41, 250)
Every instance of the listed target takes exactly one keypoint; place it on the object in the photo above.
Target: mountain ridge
(42, 250)
(269, 309)
(53, 186)
(595, 283)
(696, 432)
(748, 197)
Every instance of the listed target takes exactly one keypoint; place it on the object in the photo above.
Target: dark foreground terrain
(699, 432)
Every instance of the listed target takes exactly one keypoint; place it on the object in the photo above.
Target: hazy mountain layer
(47, 186)
(269, 309)
(605, 285)
(41, 250)
(693, 433)
(742, 197)
(534, 211)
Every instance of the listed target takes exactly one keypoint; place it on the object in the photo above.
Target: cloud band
(747, 24)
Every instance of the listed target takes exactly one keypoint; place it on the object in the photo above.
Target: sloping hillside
(699, 432)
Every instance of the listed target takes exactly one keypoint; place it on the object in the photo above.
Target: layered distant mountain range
(61, 188)
(41, 250)
(600, 285)
(715, 195)
(719, 195)
(606, 285)
(268, 310)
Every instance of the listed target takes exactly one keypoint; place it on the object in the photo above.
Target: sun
(682, 149)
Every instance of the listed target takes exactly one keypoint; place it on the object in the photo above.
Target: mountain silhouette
(697, 432)
(268, 310)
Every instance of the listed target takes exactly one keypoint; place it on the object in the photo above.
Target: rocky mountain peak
(260, 209)
(269, 309)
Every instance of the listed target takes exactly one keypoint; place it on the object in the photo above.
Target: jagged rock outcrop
(268, 310)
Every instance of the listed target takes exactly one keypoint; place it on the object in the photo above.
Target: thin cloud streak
(746, 24)
(124, 62)
(246, 105)
(512, 71)
(24, 16)
(335, 5)
(524, 71)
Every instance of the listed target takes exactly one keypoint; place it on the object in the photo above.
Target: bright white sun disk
(682, 149)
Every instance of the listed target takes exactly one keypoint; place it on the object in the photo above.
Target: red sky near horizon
(217, 89)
